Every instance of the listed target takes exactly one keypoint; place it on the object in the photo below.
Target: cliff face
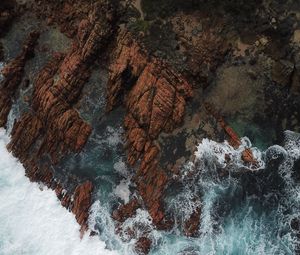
(53, 128)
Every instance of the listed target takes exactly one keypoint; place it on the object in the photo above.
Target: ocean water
(247, 212)
(32, 221)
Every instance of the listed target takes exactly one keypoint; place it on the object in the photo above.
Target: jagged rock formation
(126, 211)
(54, 128)
(143, 245)
(155, 98)
(82, 203)
(234, 139)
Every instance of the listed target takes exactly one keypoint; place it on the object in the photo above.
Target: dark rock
(282, 72)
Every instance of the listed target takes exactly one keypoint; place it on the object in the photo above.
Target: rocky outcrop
(143, 245)
(191, 226)
(234, 139)
(155, 98)
(13, 75)
(53, 128)
(82, 202)
(201, 44)
(126, 211)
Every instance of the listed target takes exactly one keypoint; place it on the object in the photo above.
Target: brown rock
(126, 211)
(82, 203)
(154, 96)
(191, 226)
(143, 245)
(53, 127)
(234, 139)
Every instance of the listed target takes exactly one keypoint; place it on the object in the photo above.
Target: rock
(1, 52)
(155, 97)
(295, 224)
(7, 14)
(143, 245)
(53, 128)
(13, 75)
(247, 157)
(82, 203)
(282, 72)
(126, 211)
(205, 51)
(234, 140)
(191, 226)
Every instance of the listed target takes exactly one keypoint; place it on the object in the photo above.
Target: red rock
(155, 97)
(53, 128)
(234, 139)
(191, 226)
(82, 203)
(143, 245)
(126, 211)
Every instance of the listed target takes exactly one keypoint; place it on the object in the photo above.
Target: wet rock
(53, 128)
(13, 74)
(234, 139)
(143, 245)
(155, 97)
(126, 211)
(191, 226)
(82, 203)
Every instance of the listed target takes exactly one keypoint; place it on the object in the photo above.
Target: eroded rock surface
(155, 98)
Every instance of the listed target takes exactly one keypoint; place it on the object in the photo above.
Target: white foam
(216, 153)
(122, 190)
(33, 221)
(114, 136)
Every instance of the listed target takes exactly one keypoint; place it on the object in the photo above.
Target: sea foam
(32, 221)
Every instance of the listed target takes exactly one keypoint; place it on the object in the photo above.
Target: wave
(34, 222)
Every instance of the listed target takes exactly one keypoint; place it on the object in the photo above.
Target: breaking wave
(34, 222)
(243, 211)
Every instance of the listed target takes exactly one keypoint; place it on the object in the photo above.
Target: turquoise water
(245, 213)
